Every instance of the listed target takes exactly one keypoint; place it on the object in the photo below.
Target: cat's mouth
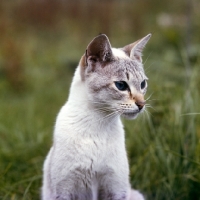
(131, 114)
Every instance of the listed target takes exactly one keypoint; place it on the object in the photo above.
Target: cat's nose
(140, 104)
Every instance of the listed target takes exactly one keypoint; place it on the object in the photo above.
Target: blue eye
(121, 85)
(143, 84)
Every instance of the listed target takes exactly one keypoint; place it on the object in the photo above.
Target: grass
(163, 145)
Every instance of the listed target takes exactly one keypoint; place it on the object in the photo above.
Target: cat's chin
(130, 115)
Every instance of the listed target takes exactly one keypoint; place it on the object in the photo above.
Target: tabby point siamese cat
(88, 159)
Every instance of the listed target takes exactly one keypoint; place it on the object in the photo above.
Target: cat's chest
(92, 148)
(83, 141)
(94, 153)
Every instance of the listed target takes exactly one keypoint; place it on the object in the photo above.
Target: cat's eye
(121, 85)
(143, 84)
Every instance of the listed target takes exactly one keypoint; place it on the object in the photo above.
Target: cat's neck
(78, 92)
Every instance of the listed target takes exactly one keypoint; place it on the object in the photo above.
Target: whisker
(149, 106)
(109, 116)
(147, 58)
(102, 109)
(146, 70)
(148, 113)
(154, 100)
(149, 97)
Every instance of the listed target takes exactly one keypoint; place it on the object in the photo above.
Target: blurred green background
(41, 42)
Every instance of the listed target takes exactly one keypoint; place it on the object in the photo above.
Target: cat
(88, 160)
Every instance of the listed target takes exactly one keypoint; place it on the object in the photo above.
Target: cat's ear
(99, 50)
(135, 49)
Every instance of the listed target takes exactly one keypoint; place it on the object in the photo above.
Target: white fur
(119, 53)
(83, 141)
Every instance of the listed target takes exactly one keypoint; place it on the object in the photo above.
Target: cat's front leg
(76, 185)
(113, 188)
(118, 191)
(133, 195)
(111, 195)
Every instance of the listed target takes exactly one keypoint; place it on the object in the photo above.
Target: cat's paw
(136, 195)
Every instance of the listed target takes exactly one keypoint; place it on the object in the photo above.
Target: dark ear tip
(99, 39)
(149, 35)
(102, 35)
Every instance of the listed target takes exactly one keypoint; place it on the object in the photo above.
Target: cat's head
(115, 78)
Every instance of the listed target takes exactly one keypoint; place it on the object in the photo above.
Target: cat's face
(114, 78)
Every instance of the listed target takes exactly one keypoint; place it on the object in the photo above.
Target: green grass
(163, 145)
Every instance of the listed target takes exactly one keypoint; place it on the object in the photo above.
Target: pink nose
(140, 104)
